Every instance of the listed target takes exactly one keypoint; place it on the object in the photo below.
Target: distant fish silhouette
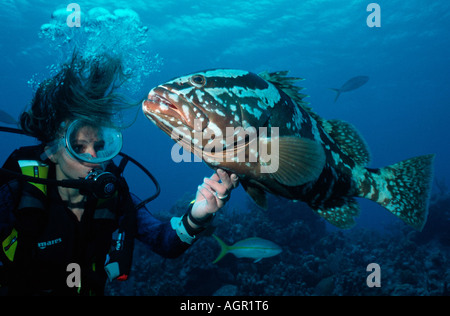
(6, 118)
(351, 84)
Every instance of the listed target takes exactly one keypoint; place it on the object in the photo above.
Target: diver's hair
(82, 89)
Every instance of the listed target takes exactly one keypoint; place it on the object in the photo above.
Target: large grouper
(221, 114)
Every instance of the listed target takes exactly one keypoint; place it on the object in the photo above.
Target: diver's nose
(91, 151)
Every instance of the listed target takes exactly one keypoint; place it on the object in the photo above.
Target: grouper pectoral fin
(300, 160)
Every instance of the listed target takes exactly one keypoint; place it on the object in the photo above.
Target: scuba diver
(77, 210)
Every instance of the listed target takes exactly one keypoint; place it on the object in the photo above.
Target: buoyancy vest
(47, 237)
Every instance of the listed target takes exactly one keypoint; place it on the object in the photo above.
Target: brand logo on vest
(44, 244)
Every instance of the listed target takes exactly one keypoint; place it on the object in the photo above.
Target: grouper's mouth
(157, 105)
(173, 111)
(174, 115)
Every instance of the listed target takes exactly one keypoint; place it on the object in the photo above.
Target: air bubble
(120, 33)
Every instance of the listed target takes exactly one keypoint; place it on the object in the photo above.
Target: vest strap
(37, 169)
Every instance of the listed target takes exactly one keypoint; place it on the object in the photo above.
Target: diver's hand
(213, 194)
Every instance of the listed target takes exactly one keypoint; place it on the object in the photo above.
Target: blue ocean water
(403, 111)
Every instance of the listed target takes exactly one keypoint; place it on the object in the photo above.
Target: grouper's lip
(152, 110)
(157, 103)
(166, 105)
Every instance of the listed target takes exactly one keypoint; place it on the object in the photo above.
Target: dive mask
(93, 144)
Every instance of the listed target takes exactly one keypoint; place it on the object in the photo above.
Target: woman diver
(44, 228)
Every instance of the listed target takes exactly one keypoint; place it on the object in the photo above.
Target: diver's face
(85, 141)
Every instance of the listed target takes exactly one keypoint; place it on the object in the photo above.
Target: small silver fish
(255, 248)
(351, 84)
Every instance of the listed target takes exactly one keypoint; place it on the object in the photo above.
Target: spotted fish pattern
(318, 161)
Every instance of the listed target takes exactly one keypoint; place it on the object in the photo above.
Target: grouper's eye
(198, 81)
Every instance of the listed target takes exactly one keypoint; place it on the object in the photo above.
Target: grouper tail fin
(224, 248)
(402, 188)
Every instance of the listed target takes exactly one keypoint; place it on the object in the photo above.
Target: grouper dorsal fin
(288, 86)
(349, 139)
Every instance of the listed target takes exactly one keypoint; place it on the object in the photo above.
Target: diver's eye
(198, 81)
(79, 149)
(99, 146)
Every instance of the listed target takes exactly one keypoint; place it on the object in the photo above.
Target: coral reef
(315, 260)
